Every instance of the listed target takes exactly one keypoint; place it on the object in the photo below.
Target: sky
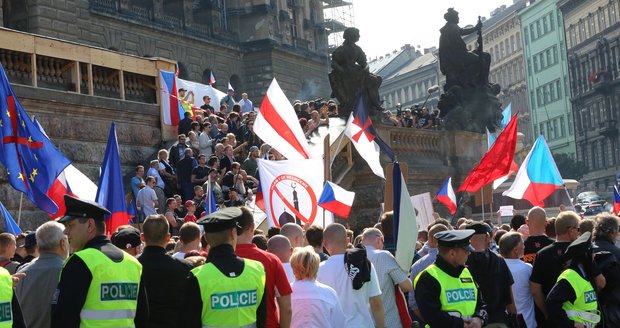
(387, 25)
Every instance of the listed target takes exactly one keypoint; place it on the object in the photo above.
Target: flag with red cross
(31, 159)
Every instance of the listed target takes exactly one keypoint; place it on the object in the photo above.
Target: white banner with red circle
(291, 190)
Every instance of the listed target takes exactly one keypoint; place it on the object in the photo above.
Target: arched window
(235, 81)
(183, 73)
(206, 78)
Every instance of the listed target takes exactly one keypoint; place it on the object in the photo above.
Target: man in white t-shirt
(511, 247)
(333, 273)
(146, 200)
(294, 233)
(280, 246)
(189, 236)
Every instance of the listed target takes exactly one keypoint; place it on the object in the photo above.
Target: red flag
(496, 162)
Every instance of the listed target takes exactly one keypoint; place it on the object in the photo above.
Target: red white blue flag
(171, 109)
(336, 199)
(538, 176)
(111, 193)
(212, 79)
(446, 196)
(365, 138)
(405, 220)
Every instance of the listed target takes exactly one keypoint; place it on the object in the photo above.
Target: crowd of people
(416, 117)
(185, 264)
(534, 272)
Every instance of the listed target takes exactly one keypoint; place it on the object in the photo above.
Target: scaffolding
(338, 16)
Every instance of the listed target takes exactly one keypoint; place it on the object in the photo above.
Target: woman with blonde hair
(314, 304)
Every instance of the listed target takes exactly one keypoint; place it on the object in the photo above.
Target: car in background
(593, 209)
(584, 197)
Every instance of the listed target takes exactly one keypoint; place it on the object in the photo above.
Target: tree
(569, 167)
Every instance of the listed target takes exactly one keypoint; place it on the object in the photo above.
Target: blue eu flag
(32, 161)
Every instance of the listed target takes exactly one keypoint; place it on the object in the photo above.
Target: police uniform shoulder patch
(467, 280)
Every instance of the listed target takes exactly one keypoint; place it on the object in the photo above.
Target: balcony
(43, 62)
(601, 81)
(608, 128)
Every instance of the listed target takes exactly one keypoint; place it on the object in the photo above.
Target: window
(562, 127)
(570, 124)
(542, 129)
(550, 133)
(601, 19)
(525, 37)
(582, 31)
(533, 33)
(551, 21)
(591, 26)
(513, 44)
(612, 14)
(556, 131)
(533, 100)
(546, 27)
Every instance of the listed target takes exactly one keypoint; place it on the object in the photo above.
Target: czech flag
(616, 201)
(405, 220)
(446, 196)
(171, 109)
(111, 193)
(538, 176)
(212, 79)
(336, 200)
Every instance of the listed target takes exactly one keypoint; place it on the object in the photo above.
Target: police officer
(492, 275)
(99, 284)
(10, 312)
(572, 302)
(228, 291)
(446, 293)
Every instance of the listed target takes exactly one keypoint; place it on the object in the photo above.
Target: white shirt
(390, 274)
(315, 306)
(205, 142)
(145, 199)
(521, 291)
(355, 303)
(289, 272)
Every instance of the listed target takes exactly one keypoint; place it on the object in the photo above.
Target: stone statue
(459, 65)
(350, 76)
(469, 102)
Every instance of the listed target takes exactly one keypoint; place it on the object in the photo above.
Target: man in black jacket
(163, 276)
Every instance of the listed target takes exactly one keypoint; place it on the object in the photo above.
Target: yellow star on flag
(32, 178)
(21, 176)
(29, 138)
(23, 124)
(8, 113)
(34, 172)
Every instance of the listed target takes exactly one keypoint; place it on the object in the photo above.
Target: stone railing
(49, 63)
(423, 147)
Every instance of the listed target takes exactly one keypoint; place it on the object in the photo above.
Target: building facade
(544, 48)
(246, 43)
(593, 48)
(409, 85)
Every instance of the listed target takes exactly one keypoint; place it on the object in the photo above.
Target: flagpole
(19, 213)
(482, 196)
(333, 158)
(568, 195)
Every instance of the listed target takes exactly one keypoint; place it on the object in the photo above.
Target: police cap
(81, 208)
(128, 237)
(455, 239)
(480, 228)
(579, 246)
(221, 220)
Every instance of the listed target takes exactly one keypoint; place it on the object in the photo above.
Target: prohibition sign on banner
(299, 182)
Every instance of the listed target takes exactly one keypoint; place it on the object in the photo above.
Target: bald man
(354, 301)
(294, 233)
(537, 240)
(280, 246)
